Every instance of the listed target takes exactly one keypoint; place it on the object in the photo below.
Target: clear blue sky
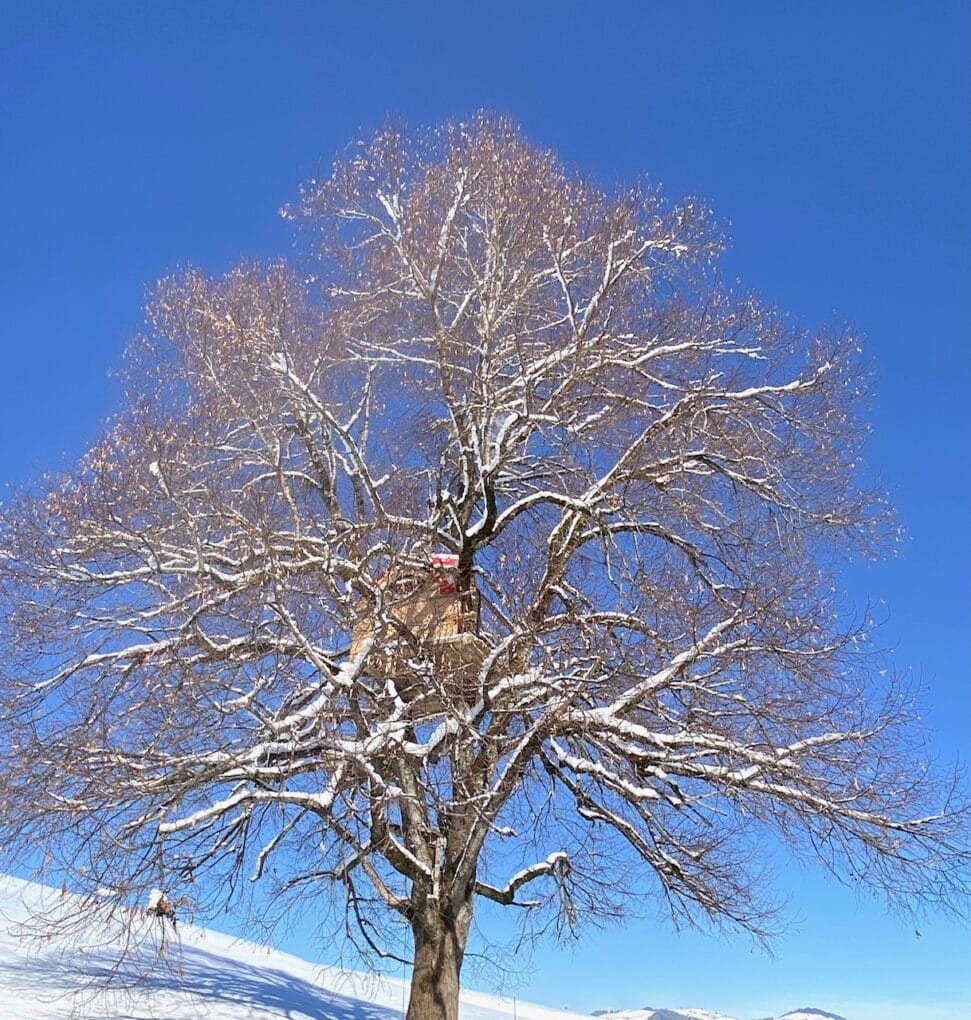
(836, 138)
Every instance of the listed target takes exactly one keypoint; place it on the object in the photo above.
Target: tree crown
(224, 653)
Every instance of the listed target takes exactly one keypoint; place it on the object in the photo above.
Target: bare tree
(491, 560)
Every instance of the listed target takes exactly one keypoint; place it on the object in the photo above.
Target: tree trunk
(439, 949)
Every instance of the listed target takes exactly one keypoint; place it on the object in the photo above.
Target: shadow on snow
(204, 978)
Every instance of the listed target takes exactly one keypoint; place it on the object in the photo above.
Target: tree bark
(439, 950)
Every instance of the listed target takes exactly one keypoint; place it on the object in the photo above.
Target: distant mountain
(808, 1013)
(654, 1013)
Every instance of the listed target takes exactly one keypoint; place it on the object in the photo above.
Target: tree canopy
(488, 549)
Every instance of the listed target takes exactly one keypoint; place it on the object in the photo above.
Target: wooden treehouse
(434, 618)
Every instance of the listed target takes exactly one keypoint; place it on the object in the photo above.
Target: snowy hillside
(216, 977)
(212, 977)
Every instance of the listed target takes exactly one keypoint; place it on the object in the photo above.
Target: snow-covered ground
(210, 976)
